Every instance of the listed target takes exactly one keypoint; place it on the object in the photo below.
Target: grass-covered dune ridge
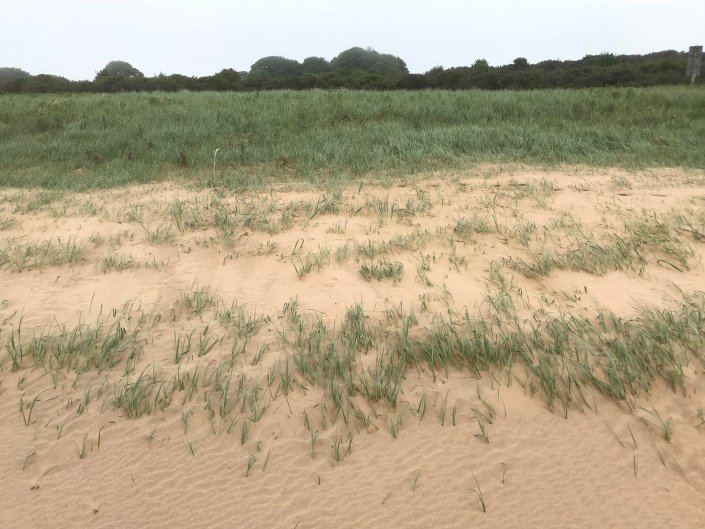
(93, 140)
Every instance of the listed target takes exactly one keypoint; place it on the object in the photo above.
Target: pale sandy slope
(604, 467)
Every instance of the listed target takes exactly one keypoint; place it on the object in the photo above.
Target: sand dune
(157, 337)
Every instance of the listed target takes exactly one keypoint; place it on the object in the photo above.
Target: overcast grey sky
(76, 38)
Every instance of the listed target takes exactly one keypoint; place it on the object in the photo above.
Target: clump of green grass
(644, 236)
(382, 269)
(467, 228)
(196, 301)
(17, 256)
(539, 266)
(187, 215)
(658, 235)
(338, 228)
(377, 205)
(7, 222)
(355, 333)
(139, 397)
(96, 239)
(327, 204)
(38, 200)
(409, 243)
(160, 235)
(318, 260)
(664, 425)
(267, 248)
(258, 218)
(117, 263)
(620, 182)
(342, 447)
(182, 345)
(81, 348)
(342, 253)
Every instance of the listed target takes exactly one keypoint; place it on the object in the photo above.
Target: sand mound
(493, 349)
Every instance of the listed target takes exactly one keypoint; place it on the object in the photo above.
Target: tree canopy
(315, 65)
(369, 60)
(276, 67)
(364, 68)
(12, 73)
(119, 69)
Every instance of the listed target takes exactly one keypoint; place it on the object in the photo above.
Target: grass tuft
(382, 269)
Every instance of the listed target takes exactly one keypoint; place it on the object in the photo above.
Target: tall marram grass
(95, 141)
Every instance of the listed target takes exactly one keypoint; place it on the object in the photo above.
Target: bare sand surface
(156, 339)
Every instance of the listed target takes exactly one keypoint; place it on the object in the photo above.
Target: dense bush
(359, 68)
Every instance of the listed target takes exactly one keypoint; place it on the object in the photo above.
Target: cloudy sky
(76, 38)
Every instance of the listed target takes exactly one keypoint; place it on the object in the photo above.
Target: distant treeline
(367, 69)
